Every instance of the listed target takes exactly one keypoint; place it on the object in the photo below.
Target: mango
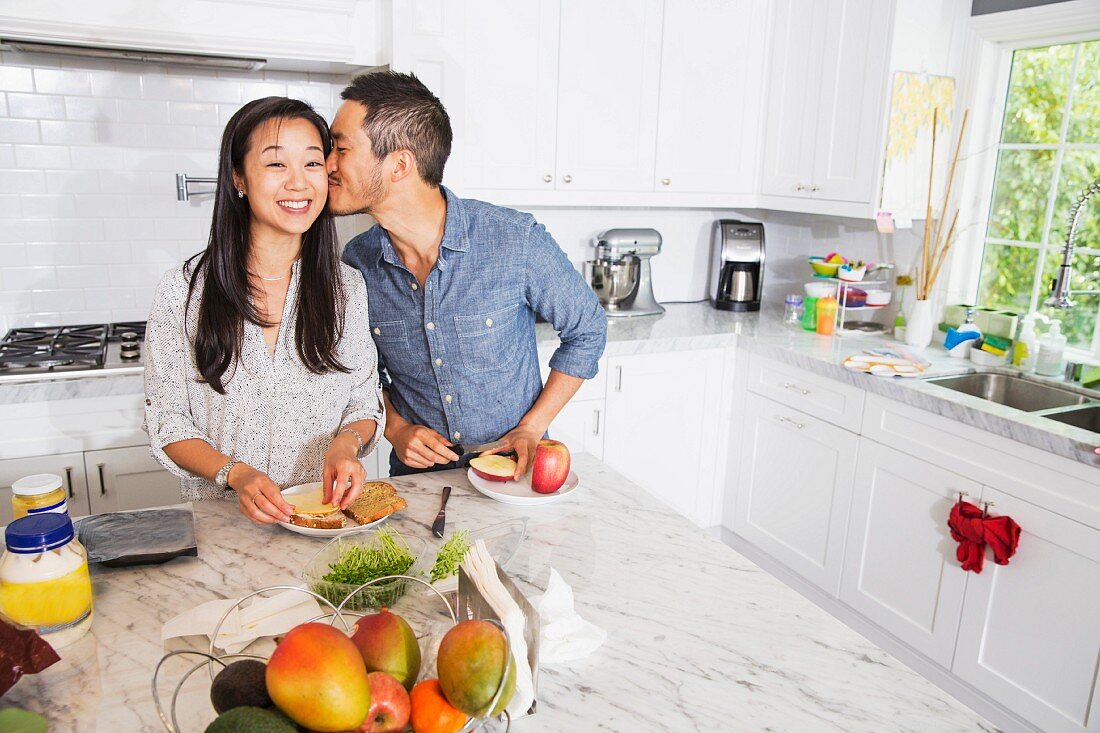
(388, 644)
(317, 677)
(471, 664)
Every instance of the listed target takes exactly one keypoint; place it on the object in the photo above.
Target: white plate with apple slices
(491, 475)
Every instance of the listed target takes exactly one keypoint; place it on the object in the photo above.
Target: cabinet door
(712, 70)
(382, 455)
(1029, 636)
(128, 478)
(580, 426)
(900, 569)
(794, 488)
(609, 71)
(794, 92)
(511, 85)
(853, 82)
(662, 427)
(69, 466)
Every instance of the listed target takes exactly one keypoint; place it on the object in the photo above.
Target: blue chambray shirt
(459, 354)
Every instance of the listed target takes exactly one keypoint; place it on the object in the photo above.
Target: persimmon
(431, 713)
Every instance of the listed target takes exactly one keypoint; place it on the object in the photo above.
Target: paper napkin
(268, 616)
(565, 637)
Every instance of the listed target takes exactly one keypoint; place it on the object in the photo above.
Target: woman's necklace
(271, 279)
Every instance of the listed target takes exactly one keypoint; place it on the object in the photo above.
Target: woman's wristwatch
(358, 440)
(222, 478)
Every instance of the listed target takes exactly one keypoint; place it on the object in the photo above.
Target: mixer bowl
(613, 282)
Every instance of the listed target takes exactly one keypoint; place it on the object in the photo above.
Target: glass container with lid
(44, 580)
(38, 494)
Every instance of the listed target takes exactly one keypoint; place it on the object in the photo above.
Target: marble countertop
(699, 326)
(699, 638)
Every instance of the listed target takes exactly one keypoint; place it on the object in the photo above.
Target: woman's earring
(240, 194)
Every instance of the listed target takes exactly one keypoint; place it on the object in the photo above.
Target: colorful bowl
(823, 268)
(820, 289)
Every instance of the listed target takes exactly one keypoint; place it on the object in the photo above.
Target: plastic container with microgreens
(351, 559)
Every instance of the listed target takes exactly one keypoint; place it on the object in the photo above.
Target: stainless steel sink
(1087, 418)
(1013, 391)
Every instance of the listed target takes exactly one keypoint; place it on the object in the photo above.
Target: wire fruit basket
(469, 604)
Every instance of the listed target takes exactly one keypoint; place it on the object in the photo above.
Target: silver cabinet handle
(666, 181)
(547, 178)
(69, 481)
(792, 422)
(567, 178)
(796, 388)
(102, 481)
(618, 379)
(815, 188)
(596, 423)
(800, 187)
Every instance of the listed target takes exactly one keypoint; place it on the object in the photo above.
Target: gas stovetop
(55, 352)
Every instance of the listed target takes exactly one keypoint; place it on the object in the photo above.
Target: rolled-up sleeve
(168, 368)
(557, 292)
(361, 356)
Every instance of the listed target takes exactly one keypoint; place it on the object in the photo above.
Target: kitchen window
(1048, 152)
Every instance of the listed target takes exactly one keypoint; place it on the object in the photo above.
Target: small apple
(494, 467)
(389, 705)
(550, 467)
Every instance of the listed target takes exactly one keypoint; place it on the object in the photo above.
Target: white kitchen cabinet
(1029, 636)
(712, 75)
(662, 427)
(580, 426)
(900, 569)
(69, 466)
(794, 487)
(828, 68)
(381, 455)
(120, 479)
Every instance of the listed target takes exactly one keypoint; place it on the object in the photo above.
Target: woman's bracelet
(358, 439)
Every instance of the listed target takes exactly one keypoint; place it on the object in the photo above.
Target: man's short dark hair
(403, 114)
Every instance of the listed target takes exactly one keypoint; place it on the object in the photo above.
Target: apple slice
(494, 468)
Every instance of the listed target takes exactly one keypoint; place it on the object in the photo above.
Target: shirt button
(439, 362)
(378, 332)
(489, 322)
(447, 399)
(149, 402)
(414, 286)
(430, 326)
(457, 435)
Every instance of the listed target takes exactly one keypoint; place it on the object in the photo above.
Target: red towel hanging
(973, 529)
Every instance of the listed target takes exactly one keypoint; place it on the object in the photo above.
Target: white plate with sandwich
(314, 518)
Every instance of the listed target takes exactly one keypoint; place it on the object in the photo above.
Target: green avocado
(252, 720)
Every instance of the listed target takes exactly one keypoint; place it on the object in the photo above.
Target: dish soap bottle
(1026, 349)
(1052, 346)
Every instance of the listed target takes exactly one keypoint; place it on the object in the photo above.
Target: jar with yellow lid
(44, 580)
(38, 494)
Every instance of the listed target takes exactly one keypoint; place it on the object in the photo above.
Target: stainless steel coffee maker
(621, 275)
(737, 267)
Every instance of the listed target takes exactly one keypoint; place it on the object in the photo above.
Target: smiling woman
(260, 368)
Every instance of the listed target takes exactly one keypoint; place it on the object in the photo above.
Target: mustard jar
(38, 494)
(44, 580)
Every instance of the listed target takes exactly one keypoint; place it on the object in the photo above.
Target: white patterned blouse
(275, 415)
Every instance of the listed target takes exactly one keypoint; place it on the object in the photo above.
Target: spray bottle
(1025, 352)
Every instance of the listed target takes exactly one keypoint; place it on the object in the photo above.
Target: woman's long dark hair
(226, 304)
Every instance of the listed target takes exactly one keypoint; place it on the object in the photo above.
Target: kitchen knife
(466, 452)
(441, 518)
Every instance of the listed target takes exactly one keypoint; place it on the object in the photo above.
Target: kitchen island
(699, 638)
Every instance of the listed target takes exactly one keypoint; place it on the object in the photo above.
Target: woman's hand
(343, 473)
(258, 496)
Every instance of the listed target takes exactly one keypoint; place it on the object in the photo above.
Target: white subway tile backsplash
(155, 253)
(7, 155)
(27, 230)
(208, 138)
(118, 84)
(143, 298)
(33, 320)
(81, 276)
(137, 275)
(21, 181)
(107, 253)
(13, 255)
(192, 113)
(53, 253)
(15, 79)
(58, 300)
(51, 206)
(142, 110)
(68, 132)
(101, 206)
(9, 207)
(130, 314)
(170, 136)
(183, 229)
(62, 81)
(120, 133)
(93, 109)
(78, 230)
(72, 182)
(258, 90)
(36, 106)
(42, 156)
(28, 278)
(19, 131)
(97, 157)
(86, 316)
(110, 297)
(129, 230)
(159, 86)
(217, 90)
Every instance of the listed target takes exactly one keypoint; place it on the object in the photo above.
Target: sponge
(1091, 378)
(986, 346)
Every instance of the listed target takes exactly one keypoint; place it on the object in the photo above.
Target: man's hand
(343, 474)
(521, 440)
(258, 496)
(421, 447)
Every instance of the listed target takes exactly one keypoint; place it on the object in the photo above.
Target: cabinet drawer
(824, 398)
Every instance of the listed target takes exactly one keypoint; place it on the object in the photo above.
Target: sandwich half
(378, 500)
(310, 511)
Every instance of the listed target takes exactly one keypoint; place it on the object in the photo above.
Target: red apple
(389, 705)
(550, 467)
(494, 468)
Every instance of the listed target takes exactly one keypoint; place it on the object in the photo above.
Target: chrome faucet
(1060, 291)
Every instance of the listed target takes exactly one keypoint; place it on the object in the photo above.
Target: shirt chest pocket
(392, 340)
(488, 340)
